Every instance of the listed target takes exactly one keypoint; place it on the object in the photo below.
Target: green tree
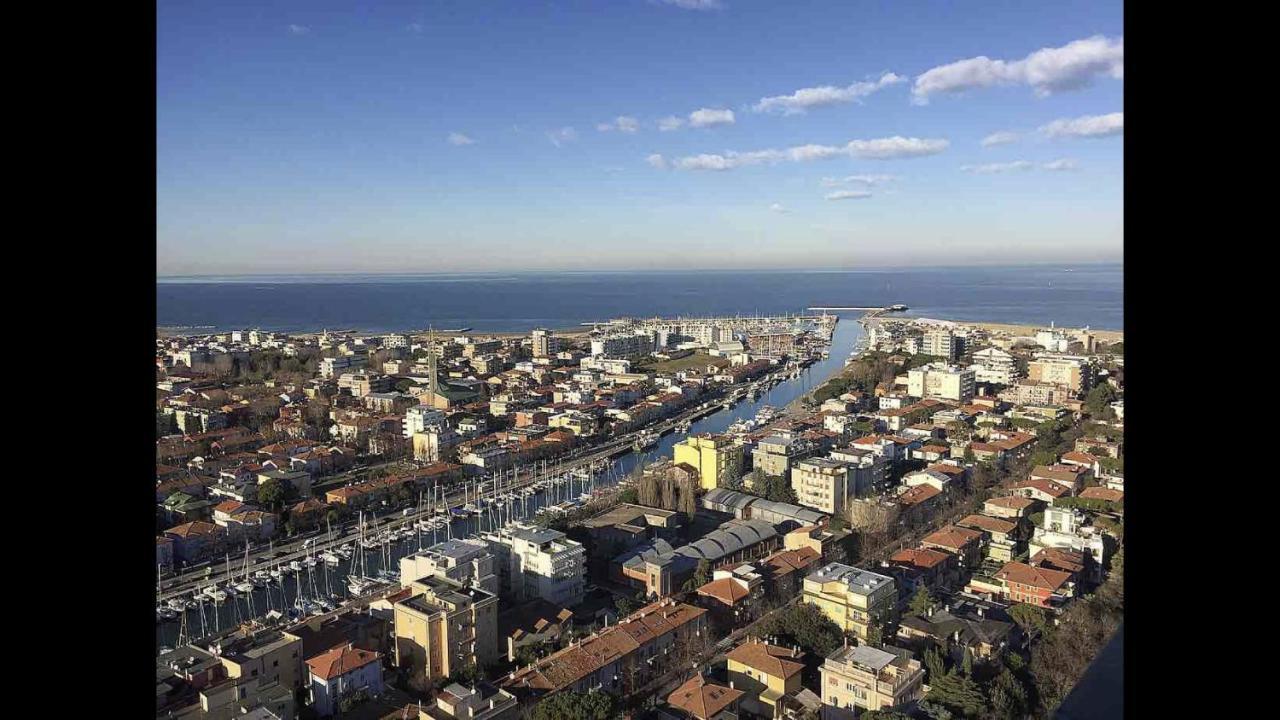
(271, 494)
(966, 665)
(576, 706)
(701, 576)
(922, 601)
(805, 625)
(1030, 618)
(467, 675)
(1099, 399)
(958, 693)
(934, 663)
(1008, 696)
(624, 605)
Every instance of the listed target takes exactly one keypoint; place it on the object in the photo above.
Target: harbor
(316, 574)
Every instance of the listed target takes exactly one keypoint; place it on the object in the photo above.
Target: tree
(1098, 400)
(966, 665)
(934, 663)
(624, 605)
(467, 675)
(958, 693)
(271, 494)
(1028, 617)
(701, 576)
(922, 601)
(883, 715)
(576, 706)
(807, 626)
(1008, 696)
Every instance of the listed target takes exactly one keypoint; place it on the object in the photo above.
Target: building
(868, 678)
(702, 699)
(421, 417)
(619, 659)
(544, 343)
(1034, 392)
(481, 702)
(332, 367)
(464, 561)
(661, 569)
(272, 656)
(537, 562)
(441, 627)
(822, 484)
(963, 542)
(343, 671)
(944, 382)
(715, 457)
(623, 346)
(1075, 375)
(750, 507)
(734, 596)
(765, 674)
(1039, 586)
(1064, 528)
(1002, 537)
(943, 343)
(994, 366)
(856, 600)
(774, 454)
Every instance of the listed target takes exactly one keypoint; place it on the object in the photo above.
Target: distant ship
(898, 308)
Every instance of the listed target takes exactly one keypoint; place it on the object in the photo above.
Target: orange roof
(702, 699)
(945, 467)
(726, 590)
(923, 558)
(340, 661)
(228, 506)
(1079, 457)
(952, 537)
(769, 659)
(989, 524)
(1101, 493)
(1023, 574)
(917, 494)
(1059, 559)
(1047, 487)
(1013, 502)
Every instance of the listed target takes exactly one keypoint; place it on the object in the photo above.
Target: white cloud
(778, 208)
(1002, 137)
(707, 117)
(694, 4)
(561, 136)
(657, 161)
(622, 123)
(1086, 126)
(1047, 70)
(878, 149)
(669, 123)
(859, 179)
(299, 29)
(1063, 164)
(460, 139)
(992, 168)
(848, 195)
(896, 147)
(806, 98)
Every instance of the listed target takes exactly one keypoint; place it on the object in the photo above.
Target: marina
(371, 552)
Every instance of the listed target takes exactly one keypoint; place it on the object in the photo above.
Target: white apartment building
(332, 367)
(538, 563)
(464, 561)
(623, 346)
(943, 343)
(945, 382)
(1064, 528)
(544, 343)
(395, 341)
(993, 365)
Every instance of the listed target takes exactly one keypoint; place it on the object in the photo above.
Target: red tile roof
(702, 699)
(1041, 578)
(1101, 493)
(952, 537)
(769, 659)
(340, 661)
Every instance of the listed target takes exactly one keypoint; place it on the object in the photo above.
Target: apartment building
(544, 343)
(340, 672)
(943, 382)
(856, 600)
(268, 657)
(623, 346)
(774, 454)
(713, 456)
(480, 702)
(993, 365)
(360, 384)
(332, 367)
(619, 659)
(943, 343)
(822, 484)
(868, 678)
(464, 561)
(538, 563)
(421, 417)
(442, 626)
(1073, 374)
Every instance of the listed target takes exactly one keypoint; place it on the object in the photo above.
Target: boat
(296, 566)
(330, 558)
(359, 585)
(244, 587)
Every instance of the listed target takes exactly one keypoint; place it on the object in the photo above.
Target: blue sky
(320, 136)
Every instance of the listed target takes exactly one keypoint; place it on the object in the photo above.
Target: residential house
(765, 674)
(856, 600)
(701, 699)
(341, 672)
(868, 678)
(963, 542)
(733, 596)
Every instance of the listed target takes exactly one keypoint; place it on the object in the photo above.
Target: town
(448, 525)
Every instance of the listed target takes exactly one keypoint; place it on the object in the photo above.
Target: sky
(468, 135)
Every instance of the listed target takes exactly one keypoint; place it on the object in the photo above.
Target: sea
(1073, 296)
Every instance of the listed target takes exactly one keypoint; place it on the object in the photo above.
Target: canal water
(330, 581)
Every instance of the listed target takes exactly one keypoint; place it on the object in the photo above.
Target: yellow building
(765, 674)
(269, 657)
(713, 456)
(856, 600)
(442, 626)
(871, 679)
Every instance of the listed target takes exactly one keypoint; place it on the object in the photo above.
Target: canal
(328, 583)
